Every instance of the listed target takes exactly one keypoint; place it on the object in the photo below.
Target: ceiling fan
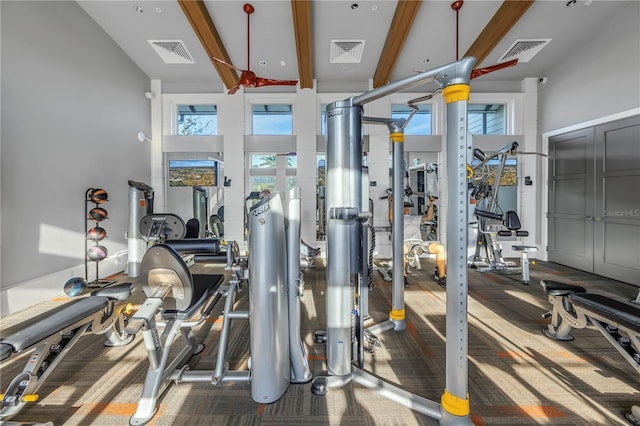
(248, 78)
(477, 72)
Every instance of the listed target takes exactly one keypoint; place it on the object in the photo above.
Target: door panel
(617, 200)
(571, 199)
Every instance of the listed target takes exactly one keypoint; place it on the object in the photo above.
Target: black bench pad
(617, 312)
(117, 292)
(204, 286)
(195, 245)
(5, 351)
(42, 326)
(556, 288)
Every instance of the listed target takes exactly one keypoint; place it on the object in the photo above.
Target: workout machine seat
(49, 323)
(556, 288)
(617, 321)
(203, 249)
(54, 333)
(612, 311)
(193, 228)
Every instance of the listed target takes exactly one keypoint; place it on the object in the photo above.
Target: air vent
(346, 51)
(524, 50)
(172, 51)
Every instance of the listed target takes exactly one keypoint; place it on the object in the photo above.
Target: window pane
(321, 169)
(292, 161)
(420, 123)
(274, 119)
(262, 161)
(260, 183)
(291, 182)
(323, 119)
(197, 120)
(486, 119)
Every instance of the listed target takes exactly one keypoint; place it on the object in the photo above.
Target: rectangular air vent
(172, 51)
(346, 51)
(524, 50)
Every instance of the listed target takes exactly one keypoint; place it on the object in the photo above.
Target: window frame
(266, 99)
(171, 102)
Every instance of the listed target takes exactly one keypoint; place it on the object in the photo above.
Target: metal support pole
(300, 371)
(343, 189)
(397, 314)
(455, 400)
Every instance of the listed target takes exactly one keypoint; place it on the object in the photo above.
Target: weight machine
(140, 204)
(347, 251)
(492, 221)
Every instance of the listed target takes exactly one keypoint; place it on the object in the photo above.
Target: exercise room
(327, 212)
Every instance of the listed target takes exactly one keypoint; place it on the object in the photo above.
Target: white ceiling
(430, 43)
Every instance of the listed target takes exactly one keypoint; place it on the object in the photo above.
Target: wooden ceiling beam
(202, 24)
(406, 11)
(502, 21)
(301, 12)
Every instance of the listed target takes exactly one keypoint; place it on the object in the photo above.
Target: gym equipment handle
(487, 214)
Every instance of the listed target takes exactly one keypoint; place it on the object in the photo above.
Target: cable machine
(347, 246)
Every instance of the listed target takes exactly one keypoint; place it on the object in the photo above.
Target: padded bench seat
(42, 326)
(204, 287)
(611, 310)
(556, 288)
(209, 246)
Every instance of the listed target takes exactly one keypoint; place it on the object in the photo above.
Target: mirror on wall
(195, 191)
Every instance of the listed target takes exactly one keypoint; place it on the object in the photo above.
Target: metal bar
(452, 73)
(457, 285)
(397, 233)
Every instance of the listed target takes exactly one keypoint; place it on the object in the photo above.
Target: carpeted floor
(516, 375)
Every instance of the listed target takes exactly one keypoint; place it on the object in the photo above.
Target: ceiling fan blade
(482, 71)
(271, 82)
(233, 90)
(227, 64)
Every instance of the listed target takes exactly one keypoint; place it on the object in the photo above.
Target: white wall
(600, 77)
(72, 104)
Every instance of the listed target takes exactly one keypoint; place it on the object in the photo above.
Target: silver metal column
(300, 371)
(455, 400)
(343, 189)
(397, 315)
(140, 204)
(268, 306)
(201, 209)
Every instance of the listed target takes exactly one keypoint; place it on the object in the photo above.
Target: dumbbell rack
(89, 200)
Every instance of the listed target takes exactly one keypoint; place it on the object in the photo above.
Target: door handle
(598, 219)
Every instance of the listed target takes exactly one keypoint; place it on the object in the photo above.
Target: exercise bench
(616, 320)
(53, 334)
(182, 301)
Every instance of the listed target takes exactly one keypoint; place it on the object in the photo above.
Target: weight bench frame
(573, 307)
(53, 334)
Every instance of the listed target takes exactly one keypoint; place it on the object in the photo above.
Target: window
(274, 119)
(486, 119)
(420, 123)
(323, 119)
(197, 120)
(272, 171)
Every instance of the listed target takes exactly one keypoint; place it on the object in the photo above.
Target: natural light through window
(197, 120)
(420, 123)
(275, 119)
(486, 119)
